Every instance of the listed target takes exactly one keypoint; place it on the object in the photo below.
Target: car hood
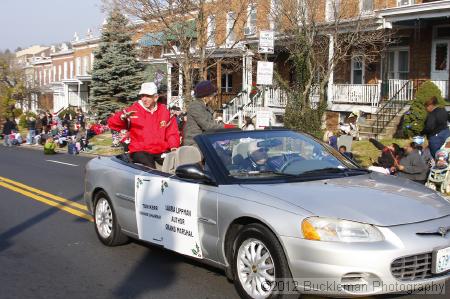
(376, 199)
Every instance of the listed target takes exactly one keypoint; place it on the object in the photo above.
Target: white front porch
(344, 98)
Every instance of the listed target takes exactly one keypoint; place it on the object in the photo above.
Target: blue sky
(28, 22)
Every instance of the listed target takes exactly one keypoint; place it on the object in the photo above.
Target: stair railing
(389, 110)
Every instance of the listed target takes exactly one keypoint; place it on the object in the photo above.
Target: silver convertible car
(280, 212)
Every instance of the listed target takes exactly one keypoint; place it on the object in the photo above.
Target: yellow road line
(46, 194)
(46, 201)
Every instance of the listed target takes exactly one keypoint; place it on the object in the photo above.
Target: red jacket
(153, 133)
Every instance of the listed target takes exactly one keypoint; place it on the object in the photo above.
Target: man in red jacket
(151, 131)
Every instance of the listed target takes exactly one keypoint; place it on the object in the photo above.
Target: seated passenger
(257, 159)
(151, 131)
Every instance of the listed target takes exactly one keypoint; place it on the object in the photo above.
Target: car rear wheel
(259, 264)
(106, 225)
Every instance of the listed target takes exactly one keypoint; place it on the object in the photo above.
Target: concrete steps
(368, 129)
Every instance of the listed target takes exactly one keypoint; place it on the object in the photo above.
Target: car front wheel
(106, 225)
(259, 264)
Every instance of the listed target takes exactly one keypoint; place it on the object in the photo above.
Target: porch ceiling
(431, 10)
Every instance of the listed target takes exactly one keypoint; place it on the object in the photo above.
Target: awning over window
(152, 39)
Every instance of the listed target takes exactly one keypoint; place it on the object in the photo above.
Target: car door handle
(125, 197)
(207, 220)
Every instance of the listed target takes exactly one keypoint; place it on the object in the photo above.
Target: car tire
(106, 225)
(259, 260)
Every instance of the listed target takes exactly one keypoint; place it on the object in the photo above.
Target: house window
(231, 17)
(78, 66)
(405, 2)
(441, 56)
(251, 16)
(227, 83)
(398, 64)
(65, 70)
(71, 70)
(357, 70)
(85, 65)
(211, 31)
(366, 6)
(92, 61)
(332, 9)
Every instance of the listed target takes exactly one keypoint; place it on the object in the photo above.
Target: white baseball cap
(148, 88)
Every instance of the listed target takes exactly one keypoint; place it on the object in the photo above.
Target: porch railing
(365, 94)
(232, 109)
(402, 90)
(443, 86)
(390, 109)
(275, 97)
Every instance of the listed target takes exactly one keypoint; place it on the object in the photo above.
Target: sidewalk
(101, 146)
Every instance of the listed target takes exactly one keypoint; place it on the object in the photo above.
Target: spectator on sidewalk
(343, 151)
(16, 138)
(412, 166)
(199, 115)
(151, 131)
(49, 146)
(8, 127)
(31, 126)
(81, 118)
(248, 126)
(436, 128)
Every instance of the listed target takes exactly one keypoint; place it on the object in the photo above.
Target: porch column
(79, 93)
(330, 65)
(66, 97)
(219, 81)
(244, 72)
(249, 74)
(180, 81)
(169, 83)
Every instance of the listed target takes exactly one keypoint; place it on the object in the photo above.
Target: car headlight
(336, 230)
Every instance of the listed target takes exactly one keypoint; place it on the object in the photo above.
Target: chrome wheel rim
(103, 218)
(255, 268)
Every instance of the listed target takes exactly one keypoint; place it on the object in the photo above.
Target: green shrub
(23, 119)
(415, 117)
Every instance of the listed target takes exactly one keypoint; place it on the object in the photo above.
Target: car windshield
(265, 154)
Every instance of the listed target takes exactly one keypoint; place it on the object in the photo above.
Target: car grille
(414, 267)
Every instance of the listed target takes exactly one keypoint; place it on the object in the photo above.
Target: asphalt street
(48, 249)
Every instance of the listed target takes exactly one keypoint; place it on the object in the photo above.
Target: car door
(168, 212)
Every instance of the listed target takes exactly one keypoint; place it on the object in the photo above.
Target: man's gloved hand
(128, 114)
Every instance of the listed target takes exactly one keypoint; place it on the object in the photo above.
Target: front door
(439, 60)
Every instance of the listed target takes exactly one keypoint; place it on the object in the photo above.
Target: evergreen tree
(415, 118)
(116, 74)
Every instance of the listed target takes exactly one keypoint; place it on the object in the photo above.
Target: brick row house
(60, 75)
(418, 51)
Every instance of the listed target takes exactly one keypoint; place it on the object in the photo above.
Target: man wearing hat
(199, 115)
(151, 131)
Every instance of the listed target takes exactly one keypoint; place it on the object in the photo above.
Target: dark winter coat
(387, 158)
(8, 126)
(199, 119)
(31, 125)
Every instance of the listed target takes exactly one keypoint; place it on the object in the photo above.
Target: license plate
(441, 260)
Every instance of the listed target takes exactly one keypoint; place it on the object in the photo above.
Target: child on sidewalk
(49, 147)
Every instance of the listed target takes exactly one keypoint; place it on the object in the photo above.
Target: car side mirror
(194, 172)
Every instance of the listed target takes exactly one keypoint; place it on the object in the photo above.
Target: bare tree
(191, 31)
(317, 44)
